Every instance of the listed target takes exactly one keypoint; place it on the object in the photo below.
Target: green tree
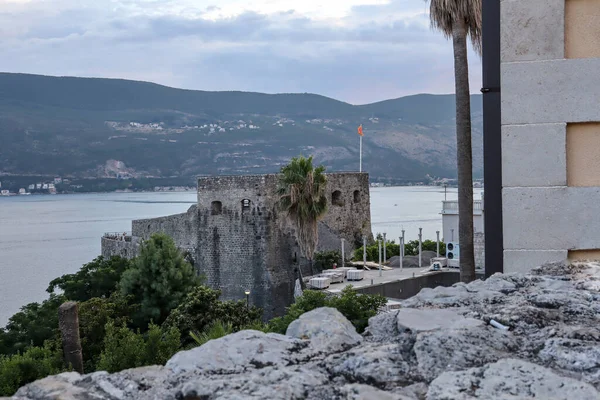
(158, 280)
(33, 364)
(459, 20)
(202, 307)
(124, 348)
(98, 278)
(302, 197)
(94, 314)
(32, 325)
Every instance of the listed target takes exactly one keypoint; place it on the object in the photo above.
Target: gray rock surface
(508, 379)
(326, 329)
(438, 346)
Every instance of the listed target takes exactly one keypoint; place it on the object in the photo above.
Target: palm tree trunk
(464, 156)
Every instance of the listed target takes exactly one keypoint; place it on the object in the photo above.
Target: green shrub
(215, 330)
(202, 307)
(358, 308)
(33, 364)
(124, 348)
(326, 259)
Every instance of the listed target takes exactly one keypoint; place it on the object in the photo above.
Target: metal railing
(452, 206)
(121, 236)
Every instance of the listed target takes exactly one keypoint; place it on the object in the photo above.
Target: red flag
(360, 131)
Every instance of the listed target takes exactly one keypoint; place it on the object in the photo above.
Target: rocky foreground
(439, 346)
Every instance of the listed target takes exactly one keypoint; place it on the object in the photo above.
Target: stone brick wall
(181, 227)
(126, 249)
(550, 92)
(479, 247)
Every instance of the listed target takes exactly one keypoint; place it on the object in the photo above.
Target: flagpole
(360, 157)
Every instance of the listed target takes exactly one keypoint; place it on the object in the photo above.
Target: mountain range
(102, 128)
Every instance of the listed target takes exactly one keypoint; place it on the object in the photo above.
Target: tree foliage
(98, 278)
(31, 326)
(202, 308)
(301, 192)
(124, 348)
(158, 280)
(33, 364)
(94, 314)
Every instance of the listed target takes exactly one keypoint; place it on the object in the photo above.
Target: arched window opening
(336, 198)
(246, 204)
(216, 208)
(357, 196)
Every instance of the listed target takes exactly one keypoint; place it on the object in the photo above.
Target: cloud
(368, 51)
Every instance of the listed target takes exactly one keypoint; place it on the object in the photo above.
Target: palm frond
(445, 14)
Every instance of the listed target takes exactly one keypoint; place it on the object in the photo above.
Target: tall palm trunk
(463, 152)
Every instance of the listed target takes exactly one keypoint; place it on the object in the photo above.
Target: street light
(247, 299)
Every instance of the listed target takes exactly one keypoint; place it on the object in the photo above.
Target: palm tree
(459, 19)
(302, 197)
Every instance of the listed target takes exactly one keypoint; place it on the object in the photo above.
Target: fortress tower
(240, 241)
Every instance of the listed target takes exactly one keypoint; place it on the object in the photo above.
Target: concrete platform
(372, 277)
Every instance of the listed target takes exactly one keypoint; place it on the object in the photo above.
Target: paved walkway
(372, 277)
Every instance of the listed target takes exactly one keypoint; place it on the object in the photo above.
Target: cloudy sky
(358, 51)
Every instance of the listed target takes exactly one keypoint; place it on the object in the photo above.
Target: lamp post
(403, 241)
(420, 247)
(438, 243)
(343, 254)
(247, 299)
(384, 252)
(379, 245)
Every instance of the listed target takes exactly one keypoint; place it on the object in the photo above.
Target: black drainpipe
(492, 142)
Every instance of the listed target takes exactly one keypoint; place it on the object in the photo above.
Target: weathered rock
(440, 345)
(365, 392)
(457, 349)
(508, 379)
(384, 366)
(420, 320)
(236, 353)
(267, 383)
(327, 330)
(576, 356)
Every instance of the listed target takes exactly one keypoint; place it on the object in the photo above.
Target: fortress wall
(181, 227)
(112, 247)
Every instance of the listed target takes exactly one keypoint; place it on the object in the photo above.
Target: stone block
(523, 261)
(560, 218)
(582, 31)
(532, 30)
(583, 161)
(534, 155)
(550, 91)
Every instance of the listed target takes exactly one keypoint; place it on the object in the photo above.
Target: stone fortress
(240, 241)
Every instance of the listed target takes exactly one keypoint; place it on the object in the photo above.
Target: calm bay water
(43, 237)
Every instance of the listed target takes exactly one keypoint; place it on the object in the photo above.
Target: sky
(359, 51)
